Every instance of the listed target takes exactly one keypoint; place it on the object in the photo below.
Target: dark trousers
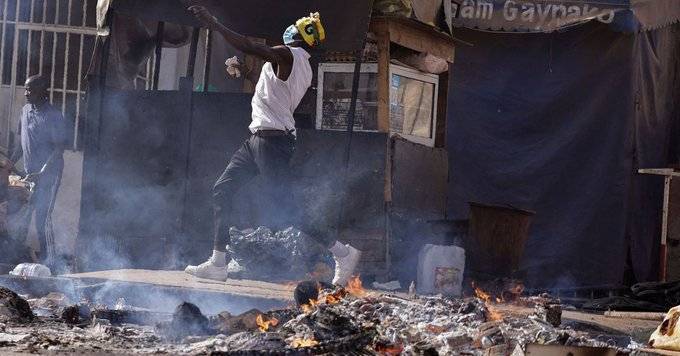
(42, 203)
(268, 156)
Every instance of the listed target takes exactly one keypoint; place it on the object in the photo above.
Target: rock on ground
(13, 307)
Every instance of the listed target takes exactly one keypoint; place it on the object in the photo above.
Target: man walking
(44, 136)
(285, 77)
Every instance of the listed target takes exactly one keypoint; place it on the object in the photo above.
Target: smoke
(142, 218)
(164, 299)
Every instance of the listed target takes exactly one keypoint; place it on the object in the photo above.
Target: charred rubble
(335, 321)
(13, 307)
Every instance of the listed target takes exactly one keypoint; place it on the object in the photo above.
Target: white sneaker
(208, 270)
(345, 266)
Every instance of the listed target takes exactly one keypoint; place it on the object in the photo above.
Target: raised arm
(279, 55)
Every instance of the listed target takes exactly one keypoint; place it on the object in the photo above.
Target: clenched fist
(204, 16)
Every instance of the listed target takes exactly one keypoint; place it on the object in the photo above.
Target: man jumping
(284, 80)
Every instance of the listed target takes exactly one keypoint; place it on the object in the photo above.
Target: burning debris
(331, 321)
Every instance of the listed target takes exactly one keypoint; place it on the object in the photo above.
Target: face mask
(289, 34)
(309, 28)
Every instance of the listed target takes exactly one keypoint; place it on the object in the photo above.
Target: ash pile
(351, 320)
(332, 321)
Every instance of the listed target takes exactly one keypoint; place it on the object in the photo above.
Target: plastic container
(440, 270)
(31, 270)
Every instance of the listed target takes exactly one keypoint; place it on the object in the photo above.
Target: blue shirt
(43, 130)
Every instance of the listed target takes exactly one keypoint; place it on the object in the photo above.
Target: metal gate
(54, 38)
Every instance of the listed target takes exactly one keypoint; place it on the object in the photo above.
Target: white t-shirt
(275, 100)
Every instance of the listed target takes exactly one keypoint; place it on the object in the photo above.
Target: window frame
(423, 77)
(403, 71)
(330, 67)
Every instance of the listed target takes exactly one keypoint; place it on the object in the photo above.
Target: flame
(335, 297)
(355, 287)
(303, 343)
(492, 314)
(331, 299)
(481, 294)
(264, 324)
(309, 307)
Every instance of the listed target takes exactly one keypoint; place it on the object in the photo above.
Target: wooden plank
(666, 198)
(673, 232)
(411, 34)
(179, 279)
(379, 28)
(635, 315)
(442, 103)
(660, 171)
(643, 352)
(663, 251)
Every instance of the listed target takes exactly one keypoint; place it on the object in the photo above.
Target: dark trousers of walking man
(265, 153)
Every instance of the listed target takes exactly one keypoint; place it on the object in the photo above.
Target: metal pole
(191, 65)
(187, 86)
(663, 248)
(350, 133)
(208, 55)
(352, 107)
(159, 48)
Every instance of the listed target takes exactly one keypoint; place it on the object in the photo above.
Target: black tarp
(559, 123)
(346, 22)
